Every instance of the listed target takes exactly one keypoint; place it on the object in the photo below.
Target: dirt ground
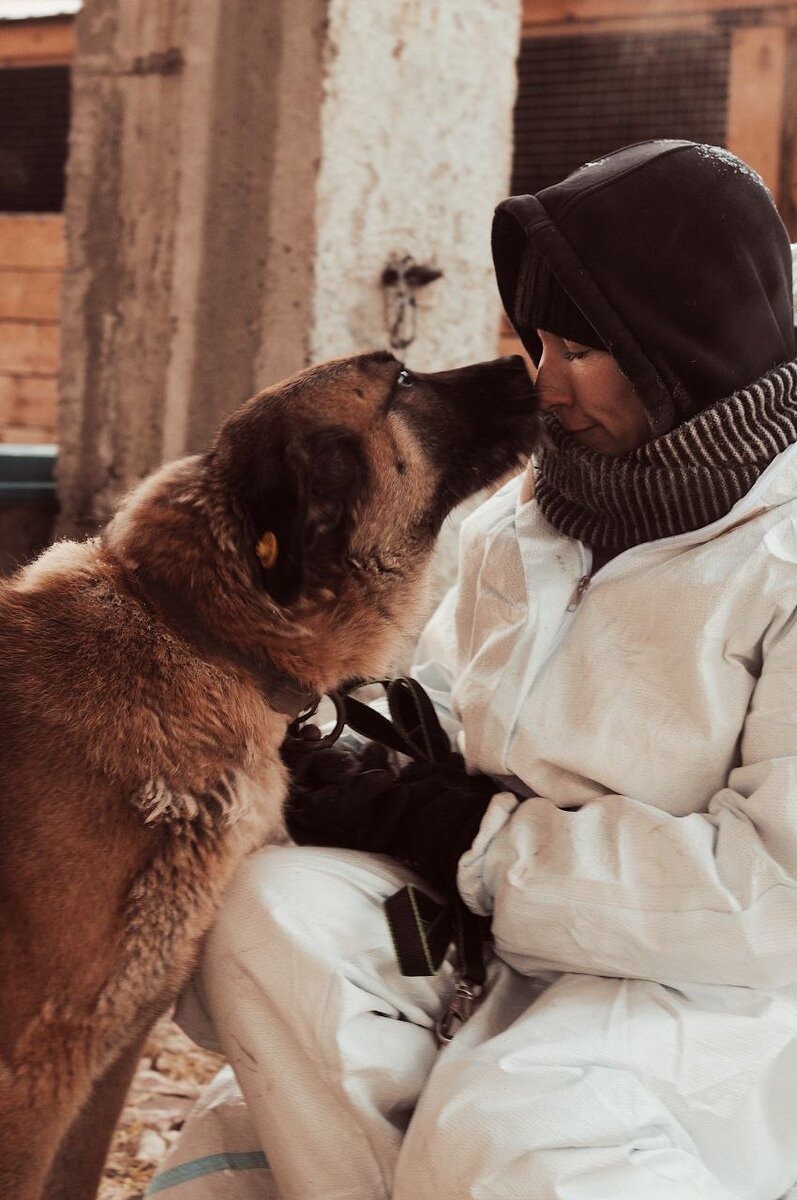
(169, 1078)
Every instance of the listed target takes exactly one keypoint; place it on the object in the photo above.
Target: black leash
(414, 728)
(421, 927)
(422, 930)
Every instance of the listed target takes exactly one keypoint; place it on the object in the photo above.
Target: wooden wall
(31, 267)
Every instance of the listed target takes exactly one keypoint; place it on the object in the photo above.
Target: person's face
(590, 397)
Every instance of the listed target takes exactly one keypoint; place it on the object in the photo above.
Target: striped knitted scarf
(678, 482)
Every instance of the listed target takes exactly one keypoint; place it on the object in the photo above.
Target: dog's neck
(282, 690)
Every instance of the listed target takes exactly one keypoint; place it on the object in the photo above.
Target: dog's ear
(275, 506)
(300, 509)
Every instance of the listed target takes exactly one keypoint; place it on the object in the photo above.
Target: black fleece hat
(546, 305)
(675, 255)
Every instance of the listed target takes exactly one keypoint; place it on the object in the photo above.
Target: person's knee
(421, 1165)
(291, 902)
(496, 1129)
(267, 886)
(265, 931)
(449, 1143)
(443, 1159)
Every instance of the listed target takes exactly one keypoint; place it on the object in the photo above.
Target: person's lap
(608, 1087)
(587, 1087)
(300, 988)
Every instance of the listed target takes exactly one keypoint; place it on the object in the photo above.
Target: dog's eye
(405, 378)
(401, 466)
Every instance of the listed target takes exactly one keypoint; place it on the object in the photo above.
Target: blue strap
(249, 1160)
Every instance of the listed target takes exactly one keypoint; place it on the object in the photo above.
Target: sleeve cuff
(471, 874)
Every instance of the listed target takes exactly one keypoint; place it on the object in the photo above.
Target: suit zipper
(579, 593)
(582, 584)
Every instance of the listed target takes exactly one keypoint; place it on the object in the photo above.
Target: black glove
(427, 815)
(313, 762)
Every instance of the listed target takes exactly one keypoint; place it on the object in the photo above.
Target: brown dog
(147, 678)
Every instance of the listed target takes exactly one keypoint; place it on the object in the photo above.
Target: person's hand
(427, 816)
(313, 763)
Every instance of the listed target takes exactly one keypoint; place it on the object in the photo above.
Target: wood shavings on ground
(169, 1078)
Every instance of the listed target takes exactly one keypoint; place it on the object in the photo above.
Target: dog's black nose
(512, 375)
(512, 362)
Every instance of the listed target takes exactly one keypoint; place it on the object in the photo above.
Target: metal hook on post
(401, 279)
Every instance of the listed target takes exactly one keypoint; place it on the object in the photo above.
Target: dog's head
(352, 466)
(305, 531)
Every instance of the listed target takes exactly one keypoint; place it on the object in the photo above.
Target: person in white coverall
(619, 661)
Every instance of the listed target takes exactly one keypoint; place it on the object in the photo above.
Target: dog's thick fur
(140, 756)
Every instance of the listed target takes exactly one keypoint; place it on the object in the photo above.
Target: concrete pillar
(190, 228)
(417, 151)
(241, 172)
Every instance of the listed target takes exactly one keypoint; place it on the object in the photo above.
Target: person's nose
(554, 388)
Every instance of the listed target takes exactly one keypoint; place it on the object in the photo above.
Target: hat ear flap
(542, 303)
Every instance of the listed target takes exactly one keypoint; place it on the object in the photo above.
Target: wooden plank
(29, 348)
(32, 241)
(541, 12)
(29, 400)
(25, 435)
(790, 219)
(37, 43)
(679, 23)
(34, 295)
(756, 88)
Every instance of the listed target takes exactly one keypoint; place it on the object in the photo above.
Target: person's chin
(587, 436)
(600, 442)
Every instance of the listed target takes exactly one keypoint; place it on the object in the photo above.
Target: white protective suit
(639, 1036)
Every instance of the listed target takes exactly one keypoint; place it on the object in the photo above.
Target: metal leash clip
(459, 1010)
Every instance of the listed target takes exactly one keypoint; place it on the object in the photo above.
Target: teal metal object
(27, 474)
